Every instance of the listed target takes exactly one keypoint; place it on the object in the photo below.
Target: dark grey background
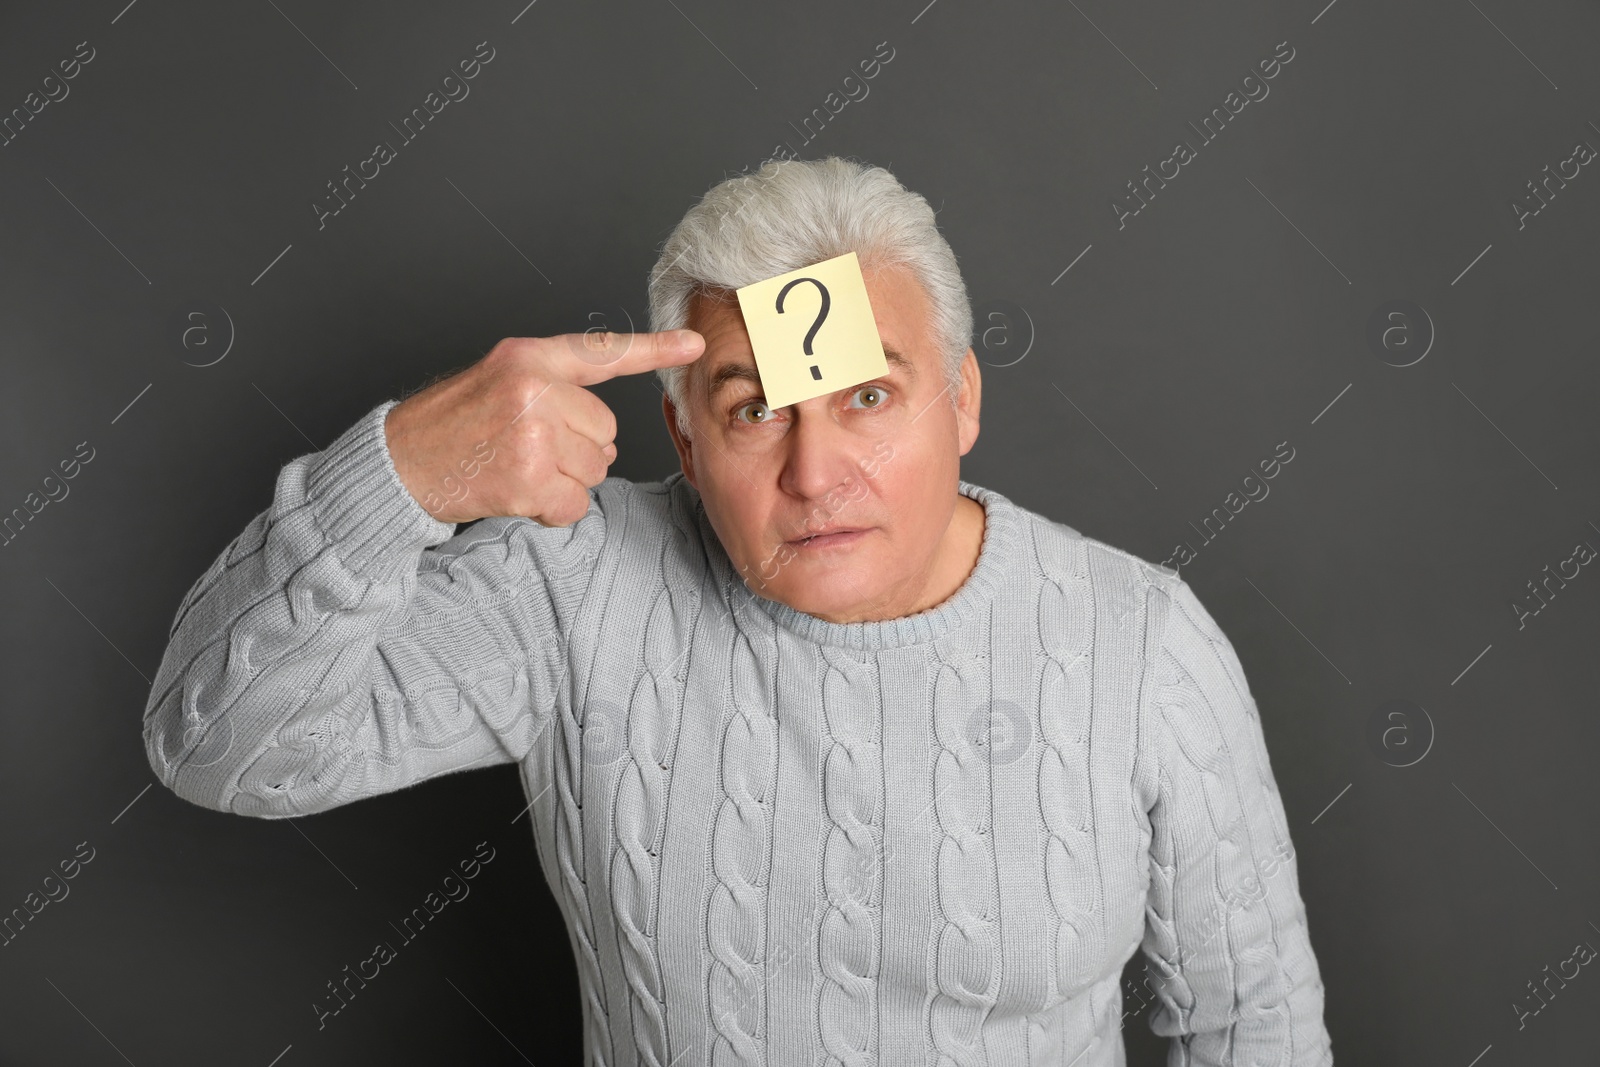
(1126, 397)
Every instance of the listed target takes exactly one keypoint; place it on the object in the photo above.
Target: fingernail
(684, 338)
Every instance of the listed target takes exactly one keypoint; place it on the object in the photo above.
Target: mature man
(832, 754)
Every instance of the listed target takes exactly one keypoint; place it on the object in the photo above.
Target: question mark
(822, 314)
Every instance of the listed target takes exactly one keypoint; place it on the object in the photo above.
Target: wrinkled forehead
(715, 314)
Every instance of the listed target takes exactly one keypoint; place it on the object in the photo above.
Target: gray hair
(792, 213)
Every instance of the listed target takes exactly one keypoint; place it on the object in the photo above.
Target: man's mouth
(842, 535)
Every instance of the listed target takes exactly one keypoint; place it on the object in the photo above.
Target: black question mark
(822, 314)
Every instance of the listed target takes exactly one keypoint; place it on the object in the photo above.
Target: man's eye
(877, 392)
(757, 404)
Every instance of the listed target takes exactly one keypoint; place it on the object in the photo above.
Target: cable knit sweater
(778, 840)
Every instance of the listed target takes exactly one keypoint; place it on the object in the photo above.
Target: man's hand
(517, 433)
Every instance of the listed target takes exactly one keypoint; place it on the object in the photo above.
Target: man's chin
(835, 593)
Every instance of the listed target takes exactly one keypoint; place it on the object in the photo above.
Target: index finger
(599, 355)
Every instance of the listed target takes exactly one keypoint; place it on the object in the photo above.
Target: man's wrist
(358, 499)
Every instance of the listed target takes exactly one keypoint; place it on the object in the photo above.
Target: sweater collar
(969, 602)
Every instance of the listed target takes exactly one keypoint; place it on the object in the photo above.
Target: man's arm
(331, 653)
(1226, 932)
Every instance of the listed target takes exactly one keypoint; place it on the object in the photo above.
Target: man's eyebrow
(730, 372)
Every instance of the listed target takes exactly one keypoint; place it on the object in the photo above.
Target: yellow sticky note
(812, 331)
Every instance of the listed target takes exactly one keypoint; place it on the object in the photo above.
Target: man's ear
(684, 446)
(968, 401)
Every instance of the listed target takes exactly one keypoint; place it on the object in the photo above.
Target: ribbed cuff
(358, 500)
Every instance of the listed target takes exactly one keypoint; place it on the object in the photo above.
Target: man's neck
(958, 552)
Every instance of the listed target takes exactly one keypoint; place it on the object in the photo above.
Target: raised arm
(1226, 935)
(346, 645)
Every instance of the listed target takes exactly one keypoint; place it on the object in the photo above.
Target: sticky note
(812, 331)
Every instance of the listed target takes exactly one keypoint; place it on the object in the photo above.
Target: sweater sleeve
(348, 644)
(1236, 981)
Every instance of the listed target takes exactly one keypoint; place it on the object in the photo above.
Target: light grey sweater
(778, 840)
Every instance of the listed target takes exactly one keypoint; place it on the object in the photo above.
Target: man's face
(882, 458)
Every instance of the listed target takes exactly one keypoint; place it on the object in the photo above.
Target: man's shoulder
(618, 508)
(608, 501)
(636, 537)
(1065, 553)
(1074, 576)
(655, 525)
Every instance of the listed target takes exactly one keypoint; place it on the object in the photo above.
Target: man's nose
(820, 453)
